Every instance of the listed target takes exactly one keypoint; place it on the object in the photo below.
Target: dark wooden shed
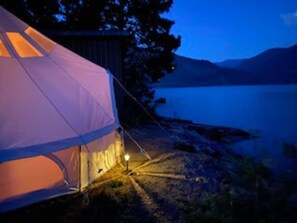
(105, 48)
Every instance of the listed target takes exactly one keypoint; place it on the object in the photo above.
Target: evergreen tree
(150, 47)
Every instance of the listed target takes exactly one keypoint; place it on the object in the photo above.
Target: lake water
(270, 111)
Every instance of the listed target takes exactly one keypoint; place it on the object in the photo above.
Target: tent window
(22, 46)
(3, 50)
(43, 41)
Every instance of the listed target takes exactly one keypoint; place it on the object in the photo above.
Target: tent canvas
(58, 118)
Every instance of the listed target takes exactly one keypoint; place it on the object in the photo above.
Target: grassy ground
(175, 186)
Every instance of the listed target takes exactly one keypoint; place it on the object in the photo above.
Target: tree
(150, 52)
(150, 47)
(40, 14)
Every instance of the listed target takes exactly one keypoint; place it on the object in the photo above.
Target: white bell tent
(58, 119)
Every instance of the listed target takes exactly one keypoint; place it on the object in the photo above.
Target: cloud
(290, 19)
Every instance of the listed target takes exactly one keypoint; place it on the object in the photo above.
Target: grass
(247, 194)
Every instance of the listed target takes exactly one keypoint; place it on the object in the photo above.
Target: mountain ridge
(272, 66)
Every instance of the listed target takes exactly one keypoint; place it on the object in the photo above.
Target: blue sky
(230, 29)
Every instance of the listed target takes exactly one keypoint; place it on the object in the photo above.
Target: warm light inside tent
(21, 176)
(43, 41)
(3, 50)
(22, 46)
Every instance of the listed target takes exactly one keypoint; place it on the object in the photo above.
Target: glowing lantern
(127, 157)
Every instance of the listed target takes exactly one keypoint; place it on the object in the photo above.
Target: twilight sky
(228, 29)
